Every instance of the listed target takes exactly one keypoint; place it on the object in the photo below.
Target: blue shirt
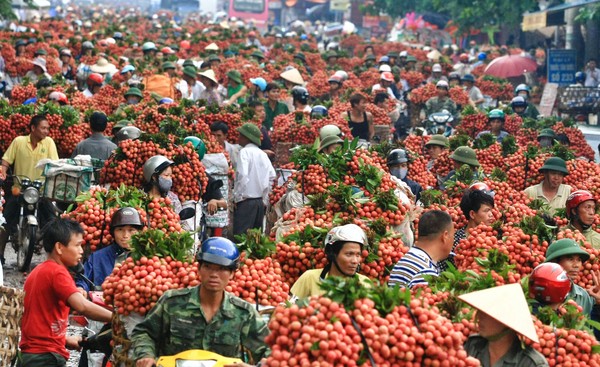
(409, 271)
(100, 265)
(499, 138)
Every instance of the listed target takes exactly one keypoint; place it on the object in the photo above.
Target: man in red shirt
(50, 293)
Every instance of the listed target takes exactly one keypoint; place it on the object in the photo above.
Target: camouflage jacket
(434, 104)
(177, 323)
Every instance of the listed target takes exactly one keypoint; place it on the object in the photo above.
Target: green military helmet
(189, 62)
(565, 247)
(438, 139)
(235, 75)
(121, 124)
(411, 58)
(133, 91)
(547, 133)
(198, 145)
(168, 65)
(330, 140)
(190, 71)
(555, 164)
(496, 114)
(465, 155)
(329, 130)
(259, 55)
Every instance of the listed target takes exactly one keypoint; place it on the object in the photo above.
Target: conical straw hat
(507, 305)
(293, 76)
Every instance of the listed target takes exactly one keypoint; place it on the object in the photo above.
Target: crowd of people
(207, 317)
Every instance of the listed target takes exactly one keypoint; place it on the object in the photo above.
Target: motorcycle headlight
(193, 363)
(31, 195)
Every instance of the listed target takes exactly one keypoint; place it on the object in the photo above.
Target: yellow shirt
(559, 201)
(591, 236)
(308, 284)
(24, 157)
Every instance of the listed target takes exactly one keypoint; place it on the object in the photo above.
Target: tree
(6, 11)
(485, 15)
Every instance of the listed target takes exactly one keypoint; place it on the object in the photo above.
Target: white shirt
(254, 175)
(389, 90)
(192, 93)
(592, 78)
(87, 93)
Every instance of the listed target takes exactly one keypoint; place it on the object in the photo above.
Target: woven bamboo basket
(11, 311)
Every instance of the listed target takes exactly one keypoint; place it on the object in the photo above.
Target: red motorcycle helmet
(483, 187)
(185, 45)
(549, 283)
(386, 75)
(576, 198)
(95, 78)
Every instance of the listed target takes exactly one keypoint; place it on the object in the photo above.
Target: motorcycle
(196, 358)
(440, 123)
(96, 344)
(24, 238)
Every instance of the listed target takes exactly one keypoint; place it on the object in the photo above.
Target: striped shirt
(409, 271)
(458, 235)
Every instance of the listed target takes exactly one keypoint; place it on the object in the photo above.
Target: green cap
(370, 57)
(465, 155)
(188, 62)
(548, 133)
(235, 75)
(198, 145)
(410, 58)
(190, 71)
(330, 140)
(41, 51)
(168, 65)
(393, 54)
(47, 34)
(250, 131)
(440, 140)
(555, 164)
(133, 91)
(496, 114)
(565, 247)
(330, 54)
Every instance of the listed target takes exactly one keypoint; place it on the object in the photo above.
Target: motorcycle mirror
(187, 213)
(77, 269)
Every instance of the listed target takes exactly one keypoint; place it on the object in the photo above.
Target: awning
(553, 16)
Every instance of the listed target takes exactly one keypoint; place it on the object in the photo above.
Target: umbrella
(510, 66)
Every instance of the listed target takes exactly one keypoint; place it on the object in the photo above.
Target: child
(50, 293)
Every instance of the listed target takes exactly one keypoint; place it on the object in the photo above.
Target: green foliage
(154, 242)
(498, 175)
(484, 141)
(562, 151)
(459, 141)
(256, 244)
(430, 197)
(369, 177)
(509, 145)
(386, 200)
(535, 225)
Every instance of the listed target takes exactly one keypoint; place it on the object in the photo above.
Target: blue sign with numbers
(562, 66)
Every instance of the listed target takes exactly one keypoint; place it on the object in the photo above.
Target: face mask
(396, 172)
(132, 101)
(403, 173)
(164, 185)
